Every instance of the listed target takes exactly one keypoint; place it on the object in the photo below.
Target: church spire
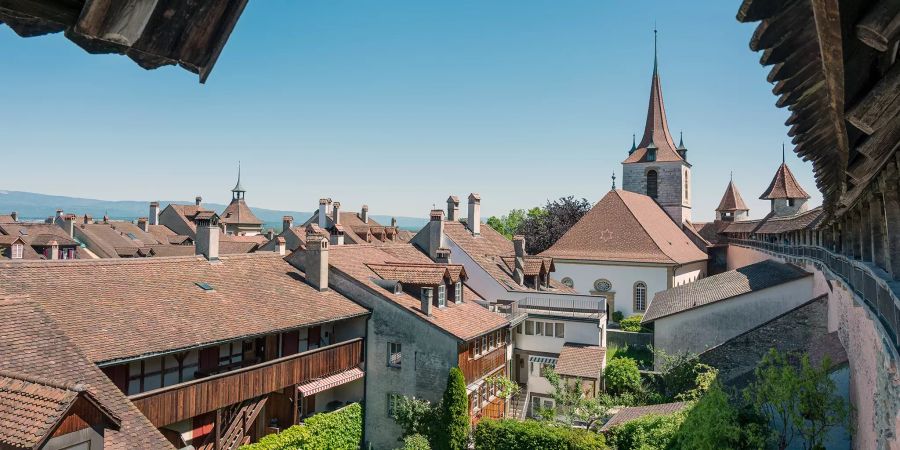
(238, 191)
(656, 129)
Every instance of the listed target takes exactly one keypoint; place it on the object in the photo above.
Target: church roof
(783, 185)
(731, 200)
(238, 212)
(656, 130)
(629, 227)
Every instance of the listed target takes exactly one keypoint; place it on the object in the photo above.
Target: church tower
(656, 167)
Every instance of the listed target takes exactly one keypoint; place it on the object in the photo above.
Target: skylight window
(132, 236)
(23, 231)
(204, 286)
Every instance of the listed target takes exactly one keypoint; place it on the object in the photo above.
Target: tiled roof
(238, 212)
(656, 129)
(33, 345)
(625, 226)
(533, 264)
(743, 226)
(636, 412)
(783, 185)
(731, 200)
(581, 361)
(6, 243)
(802, 221)
(424, 274)
(355, 230)
(464, 321)
(710, 230)
(37, 233)
(116, 308)
(723, 286)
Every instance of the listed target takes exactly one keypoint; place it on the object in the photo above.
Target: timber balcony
(869, 282)
(473, 369)
(587, 307)
(186, 400)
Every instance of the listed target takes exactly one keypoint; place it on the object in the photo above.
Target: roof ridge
(630, 211)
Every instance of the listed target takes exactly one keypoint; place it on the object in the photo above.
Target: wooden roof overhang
(834, 68)
(153, 33)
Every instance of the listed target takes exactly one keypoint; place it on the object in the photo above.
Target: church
(638, 240)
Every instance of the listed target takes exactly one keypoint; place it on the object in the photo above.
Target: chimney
(69, 224)
(59, 214)
(287, 222)
(282, 246)
(323, 212)
(87, 219)
(270, 234)
(443, 256)
(198, 200)
(453, 208)
(519, 271)
(54, 250)
(207, 242)
(337, 235)
(142, 224)
(15, 216)
(316, 260)
(394, 222)
(336, 213)
(154, 213)
(364, 214)
(435, 232)
(473, 223)
(426, 294)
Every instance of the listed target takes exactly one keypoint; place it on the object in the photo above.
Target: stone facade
(673, 185)
(789, 207)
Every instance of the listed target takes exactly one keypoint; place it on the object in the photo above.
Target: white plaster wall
(622, 277)
(576, 332)
(689, 272)
(479, 280)
(699, 329)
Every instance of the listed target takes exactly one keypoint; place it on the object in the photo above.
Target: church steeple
(238, 191)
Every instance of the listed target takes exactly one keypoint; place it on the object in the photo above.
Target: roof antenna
(782, 152)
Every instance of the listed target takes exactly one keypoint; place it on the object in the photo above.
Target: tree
(711, 424)
(506, 388)
(415, 442)
(509, 224)
(416, 417)
(682, 376)
(453, 430)
(542, 227)
(622, 376)
(819, 405)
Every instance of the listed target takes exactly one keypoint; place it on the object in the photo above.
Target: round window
(602, 285)
(568, 282)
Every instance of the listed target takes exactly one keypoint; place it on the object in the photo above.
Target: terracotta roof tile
(30, 411)
(723, 286)
(731, 200)
(239, 213)
(581, 361)
(783, 185)
(656, 129)
(636, 412)
(624, 226)
(802, 221)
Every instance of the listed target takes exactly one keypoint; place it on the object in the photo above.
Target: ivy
(511, 434)
(338, 430)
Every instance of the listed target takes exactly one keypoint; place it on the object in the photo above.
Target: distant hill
(31, 205)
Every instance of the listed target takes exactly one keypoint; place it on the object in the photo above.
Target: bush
(511, 434)
(416, 417)
(415, 442)
(617, 316)
(453, 432)
(653, 432)
(622, 376)
(632, 323)
(338, 430)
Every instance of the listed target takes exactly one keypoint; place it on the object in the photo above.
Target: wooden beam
(118, 21)
(56, 11)
(880, 26)
(880, 105)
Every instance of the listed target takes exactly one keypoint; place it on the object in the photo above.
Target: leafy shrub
(622, 376)
(632, 323)
(653, 432)
(415, 442)
(682, 376)
(453, 430)
(416, 417)
(511, 434)
(617, 316)
(338, 430)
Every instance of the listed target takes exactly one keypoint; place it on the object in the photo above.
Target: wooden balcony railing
(183, 401)
(473, 369)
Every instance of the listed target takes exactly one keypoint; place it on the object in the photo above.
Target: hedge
(509, 434)
(338, 430)
(622, 376)
(653, 432)
(632, 323)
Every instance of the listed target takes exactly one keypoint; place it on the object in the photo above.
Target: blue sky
(399, 103)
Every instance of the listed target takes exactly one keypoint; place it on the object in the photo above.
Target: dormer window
(458, 292)
(17, 250)
(442, 296)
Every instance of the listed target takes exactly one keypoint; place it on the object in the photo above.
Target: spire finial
(654, 48)
(681, 139)
(782, 152)
(614, 180)
(731, 177)
(238, 189)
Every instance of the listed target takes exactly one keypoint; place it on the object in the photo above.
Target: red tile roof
(731, 200)
(237, 212)
(624, 226)
(783, 185)
(116, 308)
(424, 274)
(656, 129)
(636, 412)
(581, 361)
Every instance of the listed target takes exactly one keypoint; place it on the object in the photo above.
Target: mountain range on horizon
(35, 206)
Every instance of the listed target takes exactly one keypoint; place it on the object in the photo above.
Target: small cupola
(682, 150)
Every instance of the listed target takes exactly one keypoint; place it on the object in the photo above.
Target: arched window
(652, 183)
(602, 285)
(640, 296)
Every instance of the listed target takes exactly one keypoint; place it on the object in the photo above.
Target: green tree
(819, 406)
(453, 430)
(506, 388)
(682, 376)
(652, 432)
(415, 442)
(711, 424)
(509, 224)
(416, 417)
(622, 376)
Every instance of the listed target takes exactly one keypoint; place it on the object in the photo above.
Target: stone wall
(670, 185)
(782, 207)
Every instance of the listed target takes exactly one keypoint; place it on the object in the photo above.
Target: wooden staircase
(236, 423)
(518, 403)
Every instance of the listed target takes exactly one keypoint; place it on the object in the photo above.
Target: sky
(398, 104)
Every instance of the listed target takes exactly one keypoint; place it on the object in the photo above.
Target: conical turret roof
(731, 200)
(783, 185)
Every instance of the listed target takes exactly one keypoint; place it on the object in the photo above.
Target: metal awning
(542, 360)
(323, 384)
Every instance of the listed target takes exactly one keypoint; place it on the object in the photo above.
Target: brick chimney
(443, 256)
(282, 245)
(69, 224)
(519, 271)
(270, 234)
(154, 213)
(323, 212)
(198, 200)
(287, 222)
(473, 223)
(364, 214)
(207, 242)
(316, 260)
(435, 232)
(142, 224)
(54, 249)
(336, 213)
(15, 216)
(427, 294)
(452, 208)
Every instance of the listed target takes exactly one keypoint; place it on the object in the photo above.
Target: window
(457, 292)
(392, 401)
(640, 296)
(568, 282)
(442, 296)
(519, 328)
(652, 179)
(395, 356)
(686, 184)
(560, 330)
(529, 328)
(17, 251)
(790, 202)
(539, 328)
(491, 341)
(602, 285)
(477, 347)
